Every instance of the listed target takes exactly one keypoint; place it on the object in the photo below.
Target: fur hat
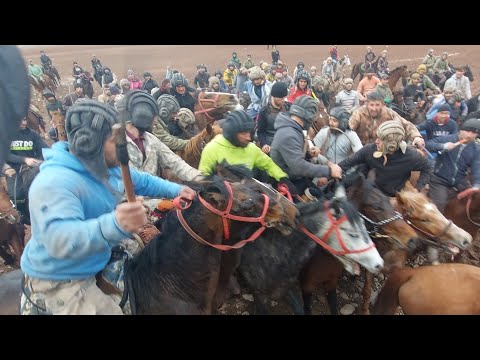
(167, 104)
(185, 117)
(88, 125)
(392, 133)
(236, 122)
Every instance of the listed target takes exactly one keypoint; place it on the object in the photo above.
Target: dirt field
(155, 59)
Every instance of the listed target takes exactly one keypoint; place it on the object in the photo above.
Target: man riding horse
(36, 72)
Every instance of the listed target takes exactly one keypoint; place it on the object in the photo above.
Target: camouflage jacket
(158, 157)
(366, 127)
(160, 130)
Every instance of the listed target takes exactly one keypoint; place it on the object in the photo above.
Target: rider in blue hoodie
(77, 216)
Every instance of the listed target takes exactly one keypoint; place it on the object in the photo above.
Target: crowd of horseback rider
(271, 136)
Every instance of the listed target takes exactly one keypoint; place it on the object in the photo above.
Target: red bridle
(206, 111)
(225, 215)
(334, 224)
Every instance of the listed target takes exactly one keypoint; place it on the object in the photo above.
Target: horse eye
(425, 220)
(376, 208)
(353, 235)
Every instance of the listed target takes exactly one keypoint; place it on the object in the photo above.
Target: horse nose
(378, 267)
(466, 243)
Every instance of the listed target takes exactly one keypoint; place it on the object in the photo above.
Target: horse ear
(209, 129)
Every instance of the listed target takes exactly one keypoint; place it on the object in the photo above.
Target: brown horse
(465, 213)
(49, 84)
(12, 232)
(59, 125)
(320, 121)
(396, 74)
(385, 226)
(357, 70)
(212, 106)
(193, 150)
(446, 289)
(35, 121)
(178, 271)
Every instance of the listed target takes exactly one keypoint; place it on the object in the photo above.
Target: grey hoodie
(287, 150)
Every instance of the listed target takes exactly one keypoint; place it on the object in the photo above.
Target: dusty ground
(155, 59)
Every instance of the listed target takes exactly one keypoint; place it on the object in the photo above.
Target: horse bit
(377, 225)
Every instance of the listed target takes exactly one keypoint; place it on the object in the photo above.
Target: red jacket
(135, 84)
(296, 92)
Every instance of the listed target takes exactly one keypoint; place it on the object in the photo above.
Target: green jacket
(35, 70)
(428, 83)
(385, 91)
(220, 149)
(160, 130)
(441, 66)
(248, 64)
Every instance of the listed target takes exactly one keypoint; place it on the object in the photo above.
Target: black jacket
(26, 144)
(392, 176)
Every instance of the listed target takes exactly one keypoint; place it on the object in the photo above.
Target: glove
(290, 187)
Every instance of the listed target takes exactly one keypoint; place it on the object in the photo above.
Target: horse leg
(366, 293)
(332, 301)
(16, 242)
(260, 304)
(293, 297)
(229, 263)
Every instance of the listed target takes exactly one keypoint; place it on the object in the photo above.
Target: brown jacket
(366, 127)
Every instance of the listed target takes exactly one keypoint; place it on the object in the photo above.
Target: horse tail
(387, 301)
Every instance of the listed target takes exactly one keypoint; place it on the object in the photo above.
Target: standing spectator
(248, 63)
(201, 79)
(235, 60)
(460, 83)
(72, 98)
(149, 83)
(135, 83)
(97, 69)
(164, 89)
(275, 55)
(240, 79)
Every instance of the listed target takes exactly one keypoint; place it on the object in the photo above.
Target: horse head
(379, 214)
(429, 222)
(342, 232)
(213, 106)
(59, 124)
(240, 173)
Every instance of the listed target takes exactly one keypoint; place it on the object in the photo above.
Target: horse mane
(234, 172)
(193, 147)
(415, 199)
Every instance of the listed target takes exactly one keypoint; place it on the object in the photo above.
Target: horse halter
(11, 215)
(334, 224)
(467, 207)
(225, 215)
(434, 240)
(206, 111)
(377, 225)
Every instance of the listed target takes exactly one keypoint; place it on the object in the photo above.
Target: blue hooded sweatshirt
(73, 217)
